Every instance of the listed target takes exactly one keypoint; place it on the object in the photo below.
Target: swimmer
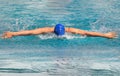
(59, 30)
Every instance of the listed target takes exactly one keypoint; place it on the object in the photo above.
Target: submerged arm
(94, 34)
(28, 32)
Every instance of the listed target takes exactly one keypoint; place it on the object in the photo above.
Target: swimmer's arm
(94, 34)
(28, 32)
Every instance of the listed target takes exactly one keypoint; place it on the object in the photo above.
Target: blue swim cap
(59, 29)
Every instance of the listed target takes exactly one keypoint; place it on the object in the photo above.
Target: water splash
(66, 36)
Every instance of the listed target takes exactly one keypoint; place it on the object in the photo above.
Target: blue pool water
(73, 55)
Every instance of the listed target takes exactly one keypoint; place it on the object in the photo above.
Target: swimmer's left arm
(88, 33)
(75, 31)
(28, 32)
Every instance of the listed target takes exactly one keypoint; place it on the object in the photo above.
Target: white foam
(100, 66)
(113, 66)
(15, 64)
(62, 65)
(51, 36)
(24, 74)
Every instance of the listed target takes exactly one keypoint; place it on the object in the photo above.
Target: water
(72, 55)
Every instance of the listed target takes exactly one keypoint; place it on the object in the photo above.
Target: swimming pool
(73, 55)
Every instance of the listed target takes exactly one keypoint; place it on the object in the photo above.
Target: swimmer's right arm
(28, 32)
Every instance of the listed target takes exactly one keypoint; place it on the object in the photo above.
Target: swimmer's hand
(111, 35)
(7, 35)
